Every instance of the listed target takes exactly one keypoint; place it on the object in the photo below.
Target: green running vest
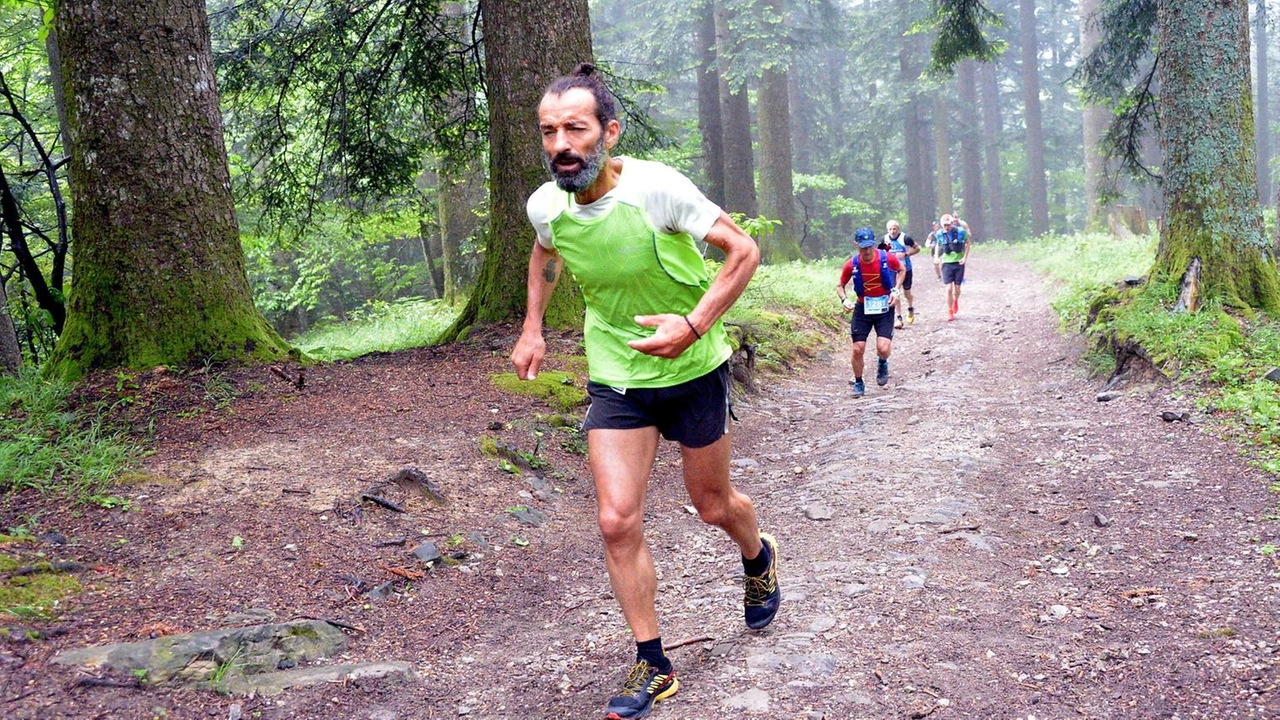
(626, 268)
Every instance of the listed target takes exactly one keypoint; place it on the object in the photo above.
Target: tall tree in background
(159, 271)
(709, 122)
(528, 43)
(993, 170)
(942, 150)
(919, 210)
(1210, 181)
(1037, 184)
(974, 211)
(1096, 119)
(735, 118)
(777, 191)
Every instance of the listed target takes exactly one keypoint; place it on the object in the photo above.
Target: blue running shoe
(859, 388)
(763, 596)
(882, 373)
(644, 687)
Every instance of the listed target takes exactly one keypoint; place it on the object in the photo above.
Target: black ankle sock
(650, 651)
(758, 565)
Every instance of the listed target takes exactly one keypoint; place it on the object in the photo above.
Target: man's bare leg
(621, 461)
(706, 477)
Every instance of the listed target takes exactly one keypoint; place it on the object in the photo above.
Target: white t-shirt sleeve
(539, 209)
(676, 205)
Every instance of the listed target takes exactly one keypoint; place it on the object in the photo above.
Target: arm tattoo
(549, 272)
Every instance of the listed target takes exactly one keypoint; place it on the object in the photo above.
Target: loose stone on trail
(1108, 395)
(817, 511)
(1274, 375)
(427, 552)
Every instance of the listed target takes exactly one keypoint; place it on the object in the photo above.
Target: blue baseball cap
(865, 237)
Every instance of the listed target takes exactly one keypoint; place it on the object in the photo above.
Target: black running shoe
(760, 603)
(882, 373)
(644, 687)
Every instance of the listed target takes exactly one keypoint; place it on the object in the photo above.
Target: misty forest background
(379, 153)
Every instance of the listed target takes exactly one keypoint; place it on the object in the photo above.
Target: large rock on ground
(215, 655)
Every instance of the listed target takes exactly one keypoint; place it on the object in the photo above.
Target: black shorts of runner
(694, 413)
(906, 282)
(861, 325)
(952, 273)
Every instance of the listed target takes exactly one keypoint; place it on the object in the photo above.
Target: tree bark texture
(527, 44)
(919, 211)
(1037, 184)
(735, 118)
(1095, 121)
(992, 127)
(1261, 68)
(10, 350)
(777, 192)
(461, 192)
(1206, 121)
(159, 273)
(942, 150)
(974, 211)
(709, 124)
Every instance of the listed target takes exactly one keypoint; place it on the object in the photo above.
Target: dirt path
(981, 539)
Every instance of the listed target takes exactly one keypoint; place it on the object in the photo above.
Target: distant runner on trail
(950, 251)
(903, 246)
(656, 351)
(877, 277)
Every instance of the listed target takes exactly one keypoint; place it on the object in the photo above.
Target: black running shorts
(694, 414)
(906, 282)
(862, 324)
(952, 273)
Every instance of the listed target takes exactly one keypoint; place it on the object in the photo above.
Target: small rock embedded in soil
(817, 511)
(1171, 416)
(427, 552)
(1107, 396)
(1101, 520)
(1274, 375)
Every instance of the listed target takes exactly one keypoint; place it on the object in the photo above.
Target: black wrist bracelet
(696, 334)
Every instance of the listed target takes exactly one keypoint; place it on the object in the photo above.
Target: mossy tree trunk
(1206, 120)
(159, 274)
(1037, 184)
(773, 103)
(528, 43)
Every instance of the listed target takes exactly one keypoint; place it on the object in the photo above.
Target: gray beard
(582, 179)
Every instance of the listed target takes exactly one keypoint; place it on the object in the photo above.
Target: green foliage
(759, 227)
(379, 327)
(959, 25)
(784, 308)
(48, 447)
(34, 595)
(1229, 356)
(558, 389)
(1084, 266)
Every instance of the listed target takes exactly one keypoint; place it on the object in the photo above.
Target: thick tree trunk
(919, 210)
(1096, 119)
(461, 192)
(1037, 185)
(1264, 102)
(942, 150)
(709, 124)
(1206, 121)
(974, 211)
(735, 117)
(803, 151)
(992, 125)
(527, 44)
(777, 193)
(159, 271)
(10, 350)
